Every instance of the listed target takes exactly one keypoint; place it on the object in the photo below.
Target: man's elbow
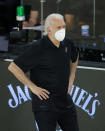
(11, 65)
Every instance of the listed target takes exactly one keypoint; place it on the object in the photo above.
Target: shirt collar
(50, 44)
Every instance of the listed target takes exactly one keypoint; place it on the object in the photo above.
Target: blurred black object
(7, 15)
(27, 9)
(91, 49)
(18, 37)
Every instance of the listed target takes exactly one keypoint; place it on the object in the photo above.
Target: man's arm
(73, 67)
(21, 76)
(69, 19)
(33, 19)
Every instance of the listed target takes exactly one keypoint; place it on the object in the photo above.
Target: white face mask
(60, 35)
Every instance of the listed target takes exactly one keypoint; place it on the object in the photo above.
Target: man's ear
(48, 30)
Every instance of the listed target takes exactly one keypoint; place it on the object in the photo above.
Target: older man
(52, 63)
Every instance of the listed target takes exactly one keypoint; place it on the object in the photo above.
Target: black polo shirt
(49, 68)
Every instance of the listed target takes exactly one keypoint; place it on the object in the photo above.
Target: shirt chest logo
(66, 49)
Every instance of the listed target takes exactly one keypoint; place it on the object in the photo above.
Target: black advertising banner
(15, 108)
(89, 98)
(88, 94)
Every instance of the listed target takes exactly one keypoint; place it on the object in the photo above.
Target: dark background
(8, 15)
(82, 9)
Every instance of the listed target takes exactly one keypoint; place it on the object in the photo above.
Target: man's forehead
(56, 21)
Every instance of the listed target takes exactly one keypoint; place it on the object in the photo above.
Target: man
(52, 63)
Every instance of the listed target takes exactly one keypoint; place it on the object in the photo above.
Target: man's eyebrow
(59, 26)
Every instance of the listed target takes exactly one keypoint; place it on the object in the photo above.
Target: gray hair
(48, 23)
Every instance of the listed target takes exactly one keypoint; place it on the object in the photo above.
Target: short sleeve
(30, 58)
(73, 50)
(74, 53)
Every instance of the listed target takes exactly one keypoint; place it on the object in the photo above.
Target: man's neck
(55, 42)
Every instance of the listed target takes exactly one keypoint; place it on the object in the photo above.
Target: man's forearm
(33, 18)
(20, 75)
(69, 18)
(73, 67)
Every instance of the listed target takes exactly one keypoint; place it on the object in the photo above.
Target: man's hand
(40, 92)
(26, 24)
